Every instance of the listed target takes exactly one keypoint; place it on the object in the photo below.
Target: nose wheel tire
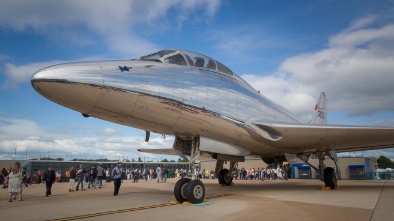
(180, 189)
(195, 191)
(330, 179)
(225, 177)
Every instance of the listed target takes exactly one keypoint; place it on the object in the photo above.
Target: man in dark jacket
(81, 177)
(92, 176)
(49, 179)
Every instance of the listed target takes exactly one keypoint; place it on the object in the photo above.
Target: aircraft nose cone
(81, 72)
(74, 85)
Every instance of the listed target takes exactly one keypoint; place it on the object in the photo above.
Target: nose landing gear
(191, 190)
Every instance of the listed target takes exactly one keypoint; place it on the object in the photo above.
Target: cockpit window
(211, 64)
(156, 56)
(199, 62)
(176, 59)
(224, 69)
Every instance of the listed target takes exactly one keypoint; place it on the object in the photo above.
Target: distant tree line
(384, 162)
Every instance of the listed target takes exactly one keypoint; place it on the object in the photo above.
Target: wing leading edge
(307, 137)
(159, 151)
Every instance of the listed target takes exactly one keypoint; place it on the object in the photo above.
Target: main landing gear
(329, 175)
(225, 176)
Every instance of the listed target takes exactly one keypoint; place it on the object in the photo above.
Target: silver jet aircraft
(212, 112)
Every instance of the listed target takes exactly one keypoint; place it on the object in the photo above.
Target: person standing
(108, 175)
(49, 179)
(279, 172)
(58, 176)
(117, 177)
(1, 177)
(285, 171)
(81, 177)
(164, 173)
(92, 176)
(177, 173)
(15, 182)
(39, 177)
(73, 176)
(100, 171)
(158, 172)
(5, 175)
(262, 174)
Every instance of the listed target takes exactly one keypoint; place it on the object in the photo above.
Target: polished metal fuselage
(164, 98)
(188, 101)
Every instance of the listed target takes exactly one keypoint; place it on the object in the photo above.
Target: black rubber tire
(225, 177)
(330, 179)
(195, 191)
(180, 189)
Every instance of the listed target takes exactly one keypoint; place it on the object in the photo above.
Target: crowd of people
(15, 178)
(79, 178)
(261, 174)
(161, 174)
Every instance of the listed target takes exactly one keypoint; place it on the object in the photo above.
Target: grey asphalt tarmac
(246, 200)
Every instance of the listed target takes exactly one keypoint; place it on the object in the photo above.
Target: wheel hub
(183, 190)
(227, 177)
(197, 192)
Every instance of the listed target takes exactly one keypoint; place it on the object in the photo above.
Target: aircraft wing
(159, 151)
(296, 138)
(164, 152)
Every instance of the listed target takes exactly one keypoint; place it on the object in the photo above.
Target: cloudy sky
(289, 50)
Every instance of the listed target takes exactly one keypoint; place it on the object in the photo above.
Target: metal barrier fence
(383, 175)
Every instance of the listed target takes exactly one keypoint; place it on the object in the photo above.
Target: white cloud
(19, 74)
(118, 24)
(27, 135)
(361, 23)
(355, 71)
(108, 132)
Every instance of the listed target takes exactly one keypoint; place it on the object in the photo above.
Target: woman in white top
(15, 179)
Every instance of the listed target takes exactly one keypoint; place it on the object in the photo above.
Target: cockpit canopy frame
(188, 58)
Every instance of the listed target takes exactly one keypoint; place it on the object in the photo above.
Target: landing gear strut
(327, 174)
(225, 176)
